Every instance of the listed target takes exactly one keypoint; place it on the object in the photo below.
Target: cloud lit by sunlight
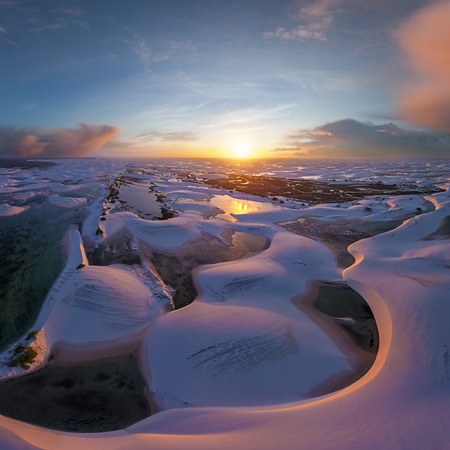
(24, 142)
(426, 42)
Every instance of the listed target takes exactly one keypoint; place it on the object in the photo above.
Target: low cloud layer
(425, 38)
(350, 138)
(54, 142)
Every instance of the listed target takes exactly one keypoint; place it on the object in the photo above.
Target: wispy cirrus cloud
(168, 136)
(315, 18)
(5, 39)
(25, 142)
(59, 18)
(153, 54)
(29, 106)
(425, 39)
(67, 11)
(351, 138)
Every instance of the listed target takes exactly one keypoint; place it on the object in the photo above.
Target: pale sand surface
(246, 308)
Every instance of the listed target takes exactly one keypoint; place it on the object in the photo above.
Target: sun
(241, 149)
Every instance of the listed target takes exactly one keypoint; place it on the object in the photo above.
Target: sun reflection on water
(234, 206)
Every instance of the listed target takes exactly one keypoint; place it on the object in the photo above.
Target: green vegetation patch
(23, 356)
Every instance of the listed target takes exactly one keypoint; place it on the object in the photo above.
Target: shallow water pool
(234, 206)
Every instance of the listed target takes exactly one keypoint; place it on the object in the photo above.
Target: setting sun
(241, 149)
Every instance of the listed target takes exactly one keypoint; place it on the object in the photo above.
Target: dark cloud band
(351, 138)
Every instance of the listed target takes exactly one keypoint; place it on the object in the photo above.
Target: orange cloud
(425, 38)
(316, 18)
(54, 142)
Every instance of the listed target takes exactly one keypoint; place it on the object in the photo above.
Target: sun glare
(241, 149)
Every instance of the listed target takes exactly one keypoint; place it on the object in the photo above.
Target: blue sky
(174, 77)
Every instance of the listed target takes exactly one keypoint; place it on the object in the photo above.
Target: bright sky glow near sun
(247, 78)
(241, 149)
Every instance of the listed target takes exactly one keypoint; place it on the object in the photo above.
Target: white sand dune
(189, 205)
(159, 235)
(233, 369)
(107, 308)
